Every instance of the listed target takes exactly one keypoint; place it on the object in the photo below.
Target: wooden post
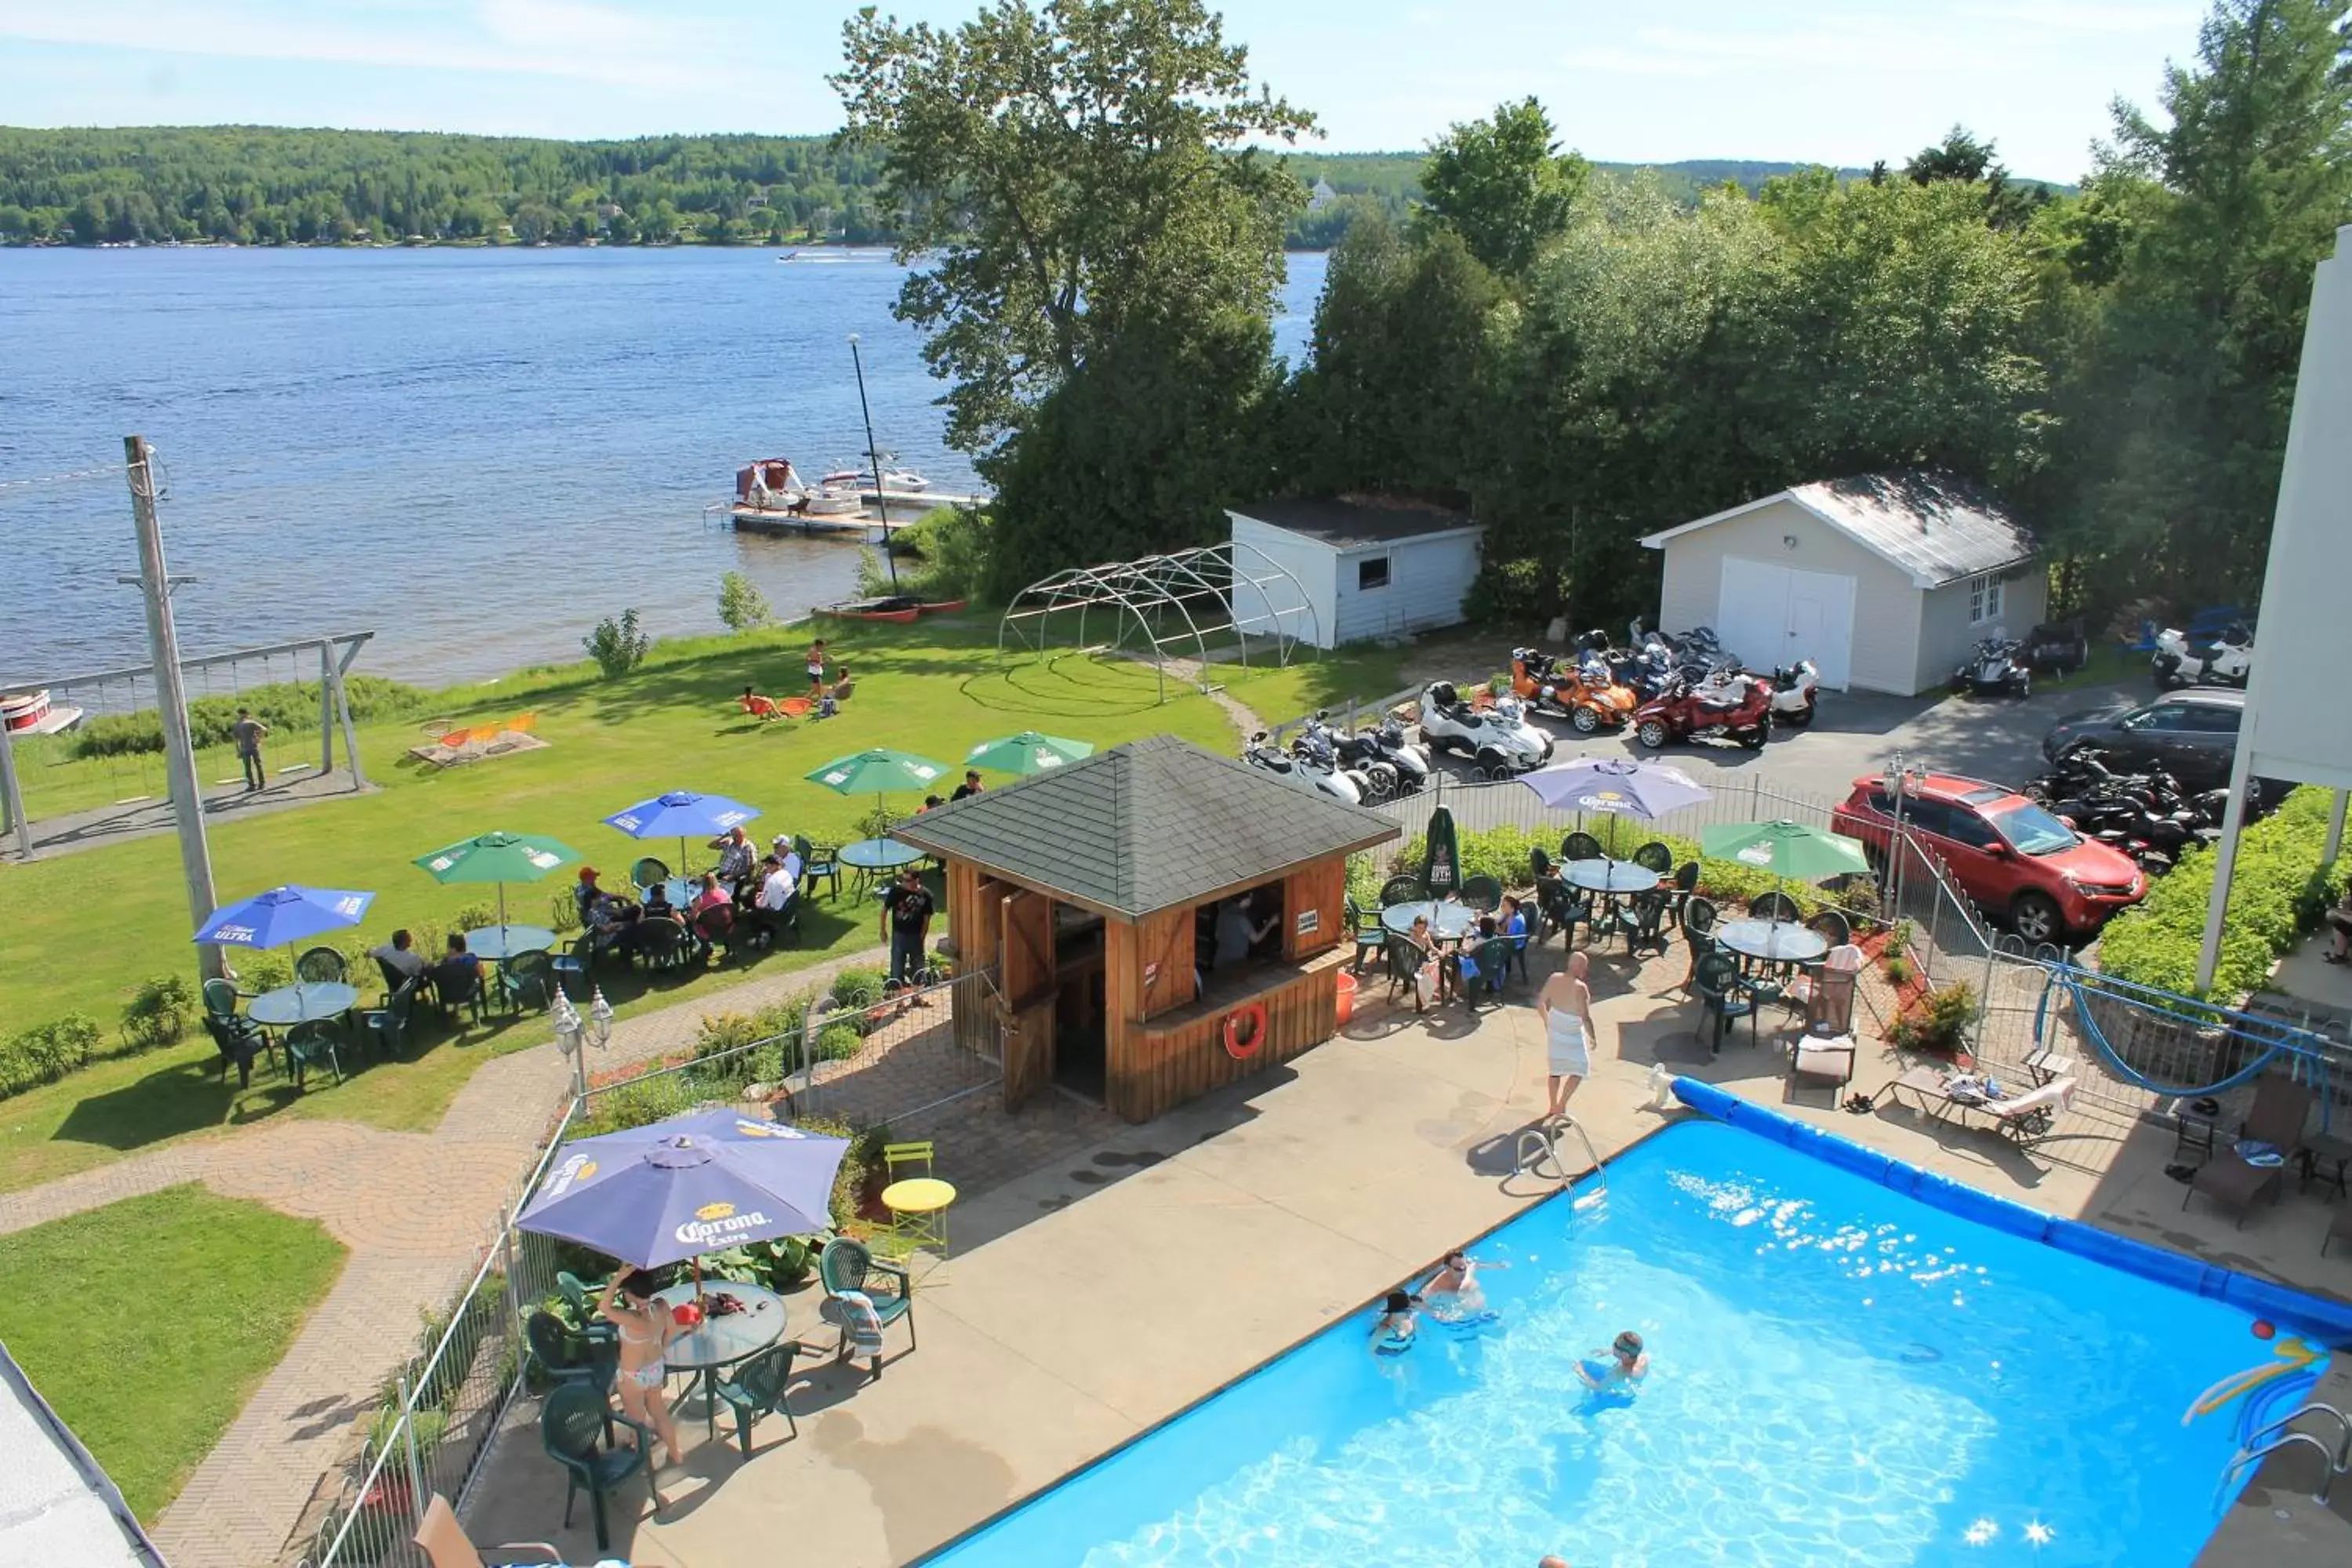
(343, 714)
(326, 710)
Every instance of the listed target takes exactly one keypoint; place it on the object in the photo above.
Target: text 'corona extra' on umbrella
(1646, 790)
(695, 1183)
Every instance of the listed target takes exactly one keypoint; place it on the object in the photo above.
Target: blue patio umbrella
(692, 1184)
(680, 814)
(283, 916)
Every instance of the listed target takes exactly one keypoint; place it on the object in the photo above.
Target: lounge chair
(2027, 1118)
(446, 1544)
(1822, 1057)
(2236, 1183)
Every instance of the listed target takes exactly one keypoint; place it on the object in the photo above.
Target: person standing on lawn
(816, 668)
(906, 919)
(246, 732)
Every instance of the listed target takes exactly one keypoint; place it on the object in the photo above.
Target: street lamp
(874, 455)
(575, 1035)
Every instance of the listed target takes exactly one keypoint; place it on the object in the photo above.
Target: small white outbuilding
(1884, 580)
(1369, 566)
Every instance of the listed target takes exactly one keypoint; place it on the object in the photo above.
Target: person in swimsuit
(1626, 1363)
(1565, 1004)
(1453, 1292)
(1393, 1332)
(644, 1331)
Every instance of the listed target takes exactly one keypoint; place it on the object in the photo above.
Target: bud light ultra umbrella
(284, 916)
(692, 1184)
(681, 813)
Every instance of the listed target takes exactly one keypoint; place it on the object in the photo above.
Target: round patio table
(1449, 920)
(291, 1004)
(499, 943)
(927, 1197)
(1609, 876)
(877, 854)
(721, 1341)
(1772, 941)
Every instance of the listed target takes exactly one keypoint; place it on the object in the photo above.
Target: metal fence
(886, 1059)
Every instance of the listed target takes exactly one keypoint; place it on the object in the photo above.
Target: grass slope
(83, 929)
(223, 1286)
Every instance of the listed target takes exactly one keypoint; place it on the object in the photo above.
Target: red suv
(2007, 853)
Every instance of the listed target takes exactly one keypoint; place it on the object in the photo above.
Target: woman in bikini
(644, 1331)
(1565, 1006)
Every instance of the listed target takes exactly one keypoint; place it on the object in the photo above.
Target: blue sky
(1839, 81)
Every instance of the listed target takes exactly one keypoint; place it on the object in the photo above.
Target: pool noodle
(2328, 1321)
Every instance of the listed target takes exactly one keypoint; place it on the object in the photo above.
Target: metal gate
(872, 1062)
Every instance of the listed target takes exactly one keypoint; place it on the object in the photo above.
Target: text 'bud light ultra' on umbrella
(682, 814)
(284, 915)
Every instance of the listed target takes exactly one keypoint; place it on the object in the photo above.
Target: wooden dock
(863, 527)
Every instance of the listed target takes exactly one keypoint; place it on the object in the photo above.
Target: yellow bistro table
(921, 1206)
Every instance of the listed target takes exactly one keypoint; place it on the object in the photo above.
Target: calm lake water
(476, 453)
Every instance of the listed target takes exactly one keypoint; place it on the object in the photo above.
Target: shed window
(1984, 600)
(1372, 571)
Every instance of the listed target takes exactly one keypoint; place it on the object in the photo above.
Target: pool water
(1840, 1374)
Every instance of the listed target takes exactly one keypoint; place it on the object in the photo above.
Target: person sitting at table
(736, 856)
(399, 960)
(458, 978)
(773, 910)
(1434, 969)
(1514, 921)
(712, 895)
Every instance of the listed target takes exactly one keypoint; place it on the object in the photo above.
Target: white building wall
(1427, 580)
(1946, 632)
(1257, 608)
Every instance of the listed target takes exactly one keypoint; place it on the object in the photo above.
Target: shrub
(474, 917)
(281, 705)
(158, 1013)
(942, 555)
(839, 1042)
(264, 970)
(742, 605)
(856, 987)
(633, 1104)
(2281, 888)
(617, 647)
(1898, 970)
(1940, 1021)
(46, 1052)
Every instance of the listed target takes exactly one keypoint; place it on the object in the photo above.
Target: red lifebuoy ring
(1255, 1013)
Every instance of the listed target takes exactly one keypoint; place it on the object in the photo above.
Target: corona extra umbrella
(680, 814)
(1646, 790)
(499, 858)
(1028, 753)
(691, 1185)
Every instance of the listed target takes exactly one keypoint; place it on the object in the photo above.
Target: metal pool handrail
(1538, 1145)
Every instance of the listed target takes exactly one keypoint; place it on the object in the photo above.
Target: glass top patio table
(291, 1004)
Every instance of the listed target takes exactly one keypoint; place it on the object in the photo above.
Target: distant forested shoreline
(268, 186)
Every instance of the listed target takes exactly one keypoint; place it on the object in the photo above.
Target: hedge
(2281, 889)
(48, 1052)
(284, 706)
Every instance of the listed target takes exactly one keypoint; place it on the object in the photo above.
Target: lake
(478, 453)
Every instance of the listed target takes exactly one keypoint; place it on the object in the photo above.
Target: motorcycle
(2057, 646)
(1795, 689)
(1498, 740)
(1383, 745)
(2145, 815)
(1263, 754)
(1321, 746)
(1725, 707)
(2228, 661)
(1646, 670)
(1586, 695)
(1996, 664)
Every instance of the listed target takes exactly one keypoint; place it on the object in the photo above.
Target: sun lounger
(2236, 1181)
(2027, 1117)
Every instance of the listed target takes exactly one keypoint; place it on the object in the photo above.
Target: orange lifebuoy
(1234, 1047)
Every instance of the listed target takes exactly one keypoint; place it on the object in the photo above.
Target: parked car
(2011, 856)
(2192, 736)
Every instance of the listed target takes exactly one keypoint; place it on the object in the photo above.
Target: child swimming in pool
(1624, 1364)
(1392, 1333)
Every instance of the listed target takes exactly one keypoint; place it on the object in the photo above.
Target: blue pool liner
(2315, 1317)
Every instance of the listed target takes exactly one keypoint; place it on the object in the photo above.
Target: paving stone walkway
(416, 1210)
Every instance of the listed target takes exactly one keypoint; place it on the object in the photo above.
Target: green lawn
(216, 1288)
(85, 929)
(1358, 673)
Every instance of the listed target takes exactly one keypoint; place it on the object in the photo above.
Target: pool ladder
(1539, 1152)
(2278, 1436)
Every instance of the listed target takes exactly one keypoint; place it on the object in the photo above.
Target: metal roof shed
(1371, 566)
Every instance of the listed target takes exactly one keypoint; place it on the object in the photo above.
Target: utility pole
(170, 697)
(874, 455)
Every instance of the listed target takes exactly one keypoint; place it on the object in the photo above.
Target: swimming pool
(1841, 1375)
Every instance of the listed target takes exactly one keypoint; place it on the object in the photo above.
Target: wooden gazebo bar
(1095, 892)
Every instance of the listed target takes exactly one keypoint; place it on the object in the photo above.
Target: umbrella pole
(502, 912)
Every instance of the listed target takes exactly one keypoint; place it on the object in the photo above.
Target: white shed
(1884, 580)
(1370, 565)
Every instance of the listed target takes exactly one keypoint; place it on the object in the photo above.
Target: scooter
(1731, 707)
(1795, 689)
(1319, 746)
(1263, 754)
(1498, 740)
(1588, 696)
(2227, 661)
(1996, 664)
(1383, 745)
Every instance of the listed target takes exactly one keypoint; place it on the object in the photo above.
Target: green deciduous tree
(1503, 185)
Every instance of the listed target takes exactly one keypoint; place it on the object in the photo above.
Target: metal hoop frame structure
(1168, 606)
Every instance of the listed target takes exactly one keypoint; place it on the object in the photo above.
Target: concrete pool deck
(1184, 1252)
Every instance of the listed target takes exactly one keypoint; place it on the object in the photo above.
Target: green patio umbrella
(1028, 753)
(1790, 850)
(499, 858)
(880, 770)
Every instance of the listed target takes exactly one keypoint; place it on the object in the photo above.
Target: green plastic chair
(309, 1043)
(1492, 958)
(1580, 846)
(570, 1422)
(820, 863)
(528, 980)
(388, 1026)
(220, 999)
(320, 965)
(1482, 893)
(758, 1387)
(648, 872)
(1654, 856)
(459, 991)
(565, 1355)
(847, 1265)
(1717, 985)
(1402, 889)
(1371, 937)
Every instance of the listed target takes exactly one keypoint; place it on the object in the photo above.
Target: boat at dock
(32, 714)
(769, 493)
(899, 610)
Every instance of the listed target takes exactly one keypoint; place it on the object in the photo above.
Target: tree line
(266, 186)
(1586, 355)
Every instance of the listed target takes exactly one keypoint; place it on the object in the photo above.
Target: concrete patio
(1273, 1208)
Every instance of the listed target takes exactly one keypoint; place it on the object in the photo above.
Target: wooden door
(1024, 967)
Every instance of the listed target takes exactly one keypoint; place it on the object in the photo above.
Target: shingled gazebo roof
(1148, 825)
